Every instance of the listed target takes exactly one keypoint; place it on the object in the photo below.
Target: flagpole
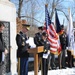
(69, 10)
(55, 18)
(71, 39)
(46, 1)
(63, 21)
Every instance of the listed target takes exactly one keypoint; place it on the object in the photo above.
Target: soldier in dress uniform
(37, 41)
(63, 42)
(38, 36)
(3, 48)
(22, 53)
(45, 57)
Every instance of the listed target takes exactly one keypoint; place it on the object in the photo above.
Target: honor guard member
(37, 41)
(63, 42)
(45, 57)
(3, 50)
(22, 53)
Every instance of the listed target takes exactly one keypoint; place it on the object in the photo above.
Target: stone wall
(8, 15)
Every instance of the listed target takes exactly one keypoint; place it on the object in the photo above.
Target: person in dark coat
(38, 36)
(22, 53)
(63, 42)
(37, 41)
(45, 57)
(3, 48)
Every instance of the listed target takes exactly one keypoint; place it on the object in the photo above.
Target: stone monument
(8, 17)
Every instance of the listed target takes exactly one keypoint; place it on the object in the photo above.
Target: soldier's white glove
(6, 51)
(48, 52)
(67, 48)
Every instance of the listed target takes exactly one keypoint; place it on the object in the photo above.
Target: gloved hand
(67, 48)
(45, 51)
(28, 45)
(23, 44)
(48, 51)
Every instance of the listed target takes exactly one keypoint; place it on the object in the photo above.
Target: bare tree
(33, 10)
(20, 7)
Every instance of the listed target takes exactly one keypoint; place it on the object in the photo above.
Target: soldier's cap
(26, 25)
(41, 28)
(44, 34)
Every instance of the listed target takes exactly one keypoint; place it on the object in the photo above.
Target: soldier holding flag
(63, 41)
(38, 42)
(62, 37)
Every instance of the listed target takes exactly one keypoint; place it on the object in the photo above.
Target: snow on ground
(68, 71)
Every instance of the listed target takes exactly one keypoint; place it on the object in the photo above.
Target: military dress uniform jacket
(44, 60)
(2, 46)
(22, 46)
(63, 41)
(46, 45)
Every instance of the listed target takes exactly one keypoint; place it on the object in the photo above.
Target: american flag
(70, 34)
(52, 35)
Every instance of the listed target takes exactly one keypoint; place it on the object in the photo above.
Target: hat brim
(26, 25)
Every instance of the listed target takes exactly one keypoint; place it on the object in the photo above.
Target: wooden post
(35, 64)
(35, 51)
(18, 65)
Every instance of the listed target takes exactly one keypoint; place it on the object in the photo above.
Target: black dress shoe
(63, 67)
(70, 66)
(54, 68)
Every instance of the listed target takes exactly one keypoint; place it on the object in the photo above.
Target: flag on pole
(70, 33)
(58, 30)
(52, 35)
(57, 23)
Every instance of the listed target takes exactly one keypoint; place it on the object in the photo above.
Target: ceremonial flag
(52, 35)
(58, 30)
(70, 33)
(57, 23)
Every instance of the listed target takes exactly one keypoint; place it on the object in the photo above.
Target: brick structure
(33, 28)
(19, 24)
